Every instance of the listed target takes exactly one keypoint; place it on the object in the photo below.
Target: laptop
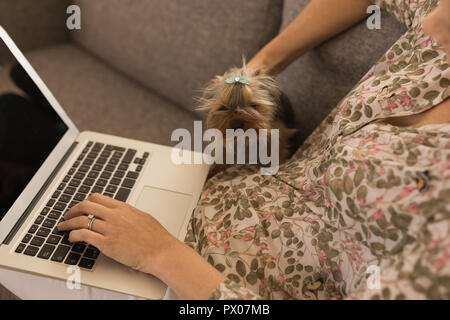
(47, 166)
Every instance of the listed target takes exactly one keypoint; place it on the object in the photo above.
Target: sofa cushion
(175, 47)
(100, 99)
(32, 24)
(318, 80)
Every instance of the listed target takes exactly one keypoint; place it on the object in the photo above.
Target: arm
(319, 21)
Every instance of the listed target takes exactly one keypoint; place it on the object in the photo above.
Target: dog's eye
(253, 105)
(222, 108)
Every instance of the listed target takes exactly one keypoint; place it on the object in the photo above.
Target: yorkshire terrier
(245, 98)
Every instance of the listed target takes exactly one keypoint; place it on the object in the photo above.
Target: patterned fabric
(359, 196)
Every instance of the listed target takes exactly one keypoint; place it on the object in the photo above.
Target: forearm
(319, 21)
(187, 273)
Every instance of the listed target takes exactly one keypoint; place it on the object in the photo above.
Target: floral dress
(362, 211)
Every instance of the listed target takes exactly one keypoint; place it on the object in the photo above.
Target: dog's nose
(236, 124)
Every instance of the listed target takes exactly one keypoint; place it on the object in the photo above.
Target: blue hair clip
(242, 79)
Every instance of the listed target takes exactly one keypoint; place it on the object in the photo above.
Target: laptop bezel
(44, 172)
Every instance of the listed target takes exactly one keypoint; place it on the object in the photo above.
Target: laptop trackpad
(168, 207)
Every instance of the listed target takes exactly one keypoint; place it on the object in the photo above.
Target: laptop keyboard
(108, 170)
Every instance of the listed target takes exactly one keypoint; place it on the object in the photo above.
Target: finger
(104, 200)
(82, 222)
(87, 236)
(87, 207)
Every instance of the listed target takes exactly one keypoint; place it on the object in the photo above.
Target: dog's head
(242, 98)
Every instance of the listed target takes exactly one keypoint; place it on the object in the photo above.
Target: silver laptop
(47, 166)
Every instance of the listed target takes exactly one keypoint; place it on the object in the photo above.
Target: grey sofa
(135, 65)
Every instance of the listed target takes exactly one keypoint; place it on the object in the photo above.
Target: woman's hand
(120, 231)
(135, 239)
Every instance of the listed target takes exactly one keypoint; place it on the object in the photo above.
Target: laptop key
(139, 168)
(119, 174)
(65, 240)
(92, 155)
(20, 247)
(60, 253)
(106, 175)
(31, 251)
(93, 174)
(120, 149)
(83, 168)
(128, 183)
(60, 206)
(109, 168)
(39, 220)
(98, 146)
(89, 182)
(122, 194)
(117, 154)
(53, 239)
(56, 194)
(113, 161)
(57, 232)
(84, 189)
(101, 160)
(79, 197)
(129, 156)
(45, 211)
(109, 194)
(37, 241)
(72, 258)
(80, 175)
(132, 175)
(111, 189)
(54, 214)
(51, 202)
(91, 252)
(49, 223)
(97, 167)
(78, 247)
(75, 183)
(61, 186)
(88, 162)
(27, 238)
(46, 251)
(43, 232)
(102, 182)
(97, 189)
(115, 181)
(76, 164)
(86, 263)
(70, 190)
(105, 154)
(33, 228)
(65, 198)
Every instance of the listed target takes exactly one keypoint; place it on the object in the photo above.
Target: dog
(245, 98)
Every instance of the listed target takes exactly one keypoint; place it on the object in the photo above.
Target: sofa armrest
(34, 24)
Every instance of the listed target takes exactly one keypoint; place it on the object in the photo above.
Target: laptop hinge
(38, 196)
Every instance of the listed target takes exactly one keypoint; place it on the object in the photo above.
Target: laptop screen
(29, 129)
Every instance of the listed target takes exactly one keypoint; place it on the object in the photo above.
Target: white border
(35, 184)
